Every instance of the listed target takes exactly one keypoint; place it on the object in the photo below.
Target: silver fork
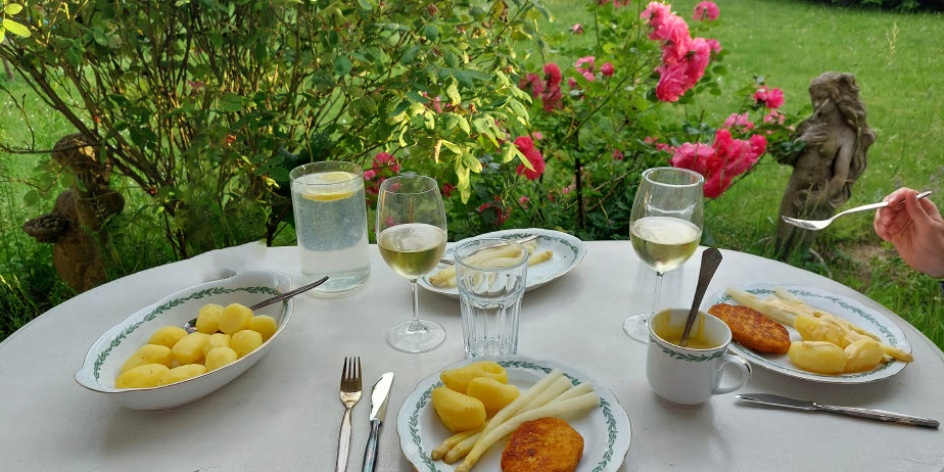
(350, 394)
(816, 225)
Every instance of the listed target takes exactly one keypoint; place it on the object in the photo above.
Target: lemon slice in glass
(330, 186)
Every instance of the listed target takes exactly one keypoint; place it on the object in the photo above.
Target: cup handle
(741, 364)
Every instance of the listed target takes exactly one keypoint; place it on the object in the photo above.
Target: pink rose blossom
(532, 82)
(571, 82)
(526, 146)
(607, 69)
(770, 98)
(523, 201)
(714, 45)
(447, 189)
(721, 162)
(585, 66)
(742, 121)
(552, 74)
(386, 161)
(706, 11)
(370, 174)
(537, 136)
(672, 82)
(618, 155)
(774, 117)
(577, 28)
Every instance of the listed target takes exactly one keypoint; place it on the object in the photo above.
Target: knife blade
(866, 413)
(378, 409)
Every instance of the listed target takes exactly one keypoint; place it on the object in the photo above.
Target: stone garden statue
(836, 140)
(76, 224)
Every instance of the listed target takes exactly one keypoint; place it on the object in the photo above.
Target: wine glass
(665, 228)
(411, 235)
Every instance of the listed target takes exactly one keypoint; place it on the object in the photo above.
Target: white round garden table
(284, 413)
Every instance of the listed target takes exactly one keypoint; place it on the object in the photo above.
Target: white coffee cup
(689, 376)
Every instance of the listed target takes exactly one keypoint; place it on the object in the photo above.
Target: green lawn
(898, 61)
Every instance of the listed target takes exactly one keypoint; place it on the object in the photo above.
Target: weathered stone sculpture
(76, 224)
(836, 139)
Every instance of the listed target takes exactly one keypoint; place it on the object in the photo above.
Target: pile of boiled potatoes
(472, 394)
(171, 355)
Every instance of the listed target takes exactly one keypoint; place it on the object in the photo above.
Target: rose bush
(624, 103)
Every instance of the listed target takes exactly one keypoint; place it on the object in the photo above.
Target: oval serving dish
(112, 349)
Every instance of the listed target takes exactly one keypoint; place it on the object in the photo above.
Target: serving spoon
(191, 326)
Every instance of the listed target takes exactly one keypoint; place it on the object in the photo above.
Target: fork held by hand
(350, 394)
(816, 225)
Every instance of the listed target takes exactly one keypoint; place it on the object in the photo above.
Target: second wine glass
(665, 228)
(411, 235)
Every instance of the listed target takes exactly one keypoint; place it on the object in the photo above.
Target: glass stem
(658, 293)
(415, 324)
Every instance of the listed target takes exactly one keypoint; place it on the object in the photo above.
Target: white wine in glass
(665, 229)
(411, 235)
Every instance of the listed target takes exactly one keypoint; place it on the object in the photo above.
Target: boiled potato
(264, 325)
(167, 336)
(208, 318)
(142, 376)
(458, 379)
(216, 340)
(493, 394)
(235, 318)
(864, 354)
(457, 411)
(180, 373)
(818, 356)
(219, 357)
(149, 354)
(816, 329)
(245, 342)
(189, 350)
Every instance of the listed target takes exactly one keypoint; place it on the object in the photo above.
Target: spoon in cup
(710, 260)
(191, 326)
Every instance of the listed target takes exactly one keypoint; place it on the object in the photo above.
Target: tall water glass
(491, 276)
(665, 228)
(331, 224)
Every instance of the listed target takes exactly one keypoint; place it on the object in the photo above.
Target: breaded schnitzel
(543, 445)
(752, 329)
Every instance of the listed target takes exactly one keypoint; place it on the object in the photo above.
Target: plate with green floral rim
(606, 430)
(844, 307)
(567, 252)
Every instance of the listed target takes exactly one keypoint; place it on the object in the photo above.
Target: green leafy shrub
(204, 106)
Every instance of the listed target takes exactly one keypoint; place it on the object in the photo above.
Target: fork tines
(351, 373)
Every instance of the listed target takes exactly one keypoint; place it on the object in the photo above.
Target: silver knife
(877, 415)
(378, 408)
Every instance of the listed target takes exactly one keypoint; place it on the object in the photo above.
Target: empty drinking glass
(491, 276)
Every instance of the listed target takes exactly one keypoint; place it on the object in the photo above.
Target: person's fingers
(916, 210)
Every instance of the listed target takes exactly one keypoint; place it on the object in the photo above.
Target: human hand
(916, 229)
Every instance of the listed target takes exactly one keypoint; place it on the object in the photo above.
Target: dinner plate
(843, 307)
(606, 430)
(568, 252)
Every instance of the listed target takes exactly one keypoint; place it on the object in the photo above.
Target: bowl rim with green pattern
(568, 252)
(109, 352)
(606, 430)
(844, 307)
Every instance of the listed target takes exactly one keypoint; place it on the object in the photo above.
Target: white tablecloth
(283, 414)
